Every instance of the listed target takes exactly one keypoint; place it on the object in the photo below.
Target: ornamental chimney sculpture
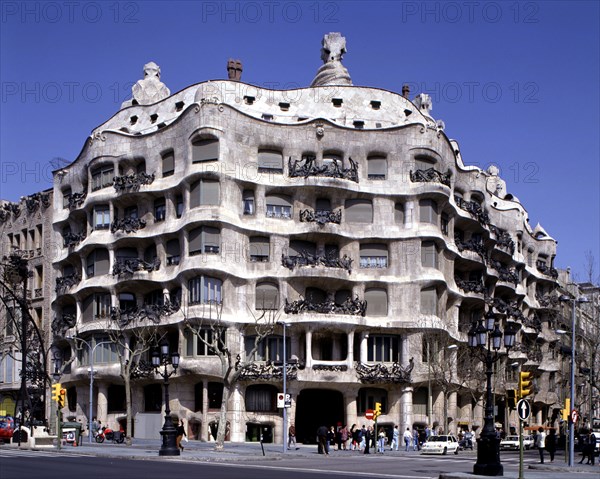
(332, 72)
(148, 90)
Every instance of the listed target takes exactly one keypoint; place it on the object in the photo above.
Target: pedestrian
(180, 434)
(550, 444)
(427, 432)
(381, 440)
(363, 438)
(540, 440)
(95, 426)
(322, 440)
(588, 450)
(407, 439)
(354, 437)
(592, 442)
(344, 436)
(395, 439)
(330, 439)
(292, 437)
(416, 445)
(367, 438)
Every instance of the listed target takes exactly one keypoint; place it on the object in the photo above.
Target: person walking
(322, 438)
(292, 437)
(395, 439)
(381, 440)
(180, 434)
(540, 441)
(407, 439)
(344, 437)
(550, 444)
(416, 445)
(367, 438)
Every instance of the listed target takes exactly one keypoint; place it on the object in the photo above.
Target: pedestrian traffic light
(377, 411)
(511, 398)
(525, 384)
(56, 391)
(61, 398)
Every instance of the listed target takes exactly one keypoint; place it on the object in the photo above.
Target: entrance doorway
(315, 408)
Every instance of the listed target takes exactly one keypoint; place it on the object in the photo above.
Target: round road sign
(574, 415)
(369, 414)
(523, 409)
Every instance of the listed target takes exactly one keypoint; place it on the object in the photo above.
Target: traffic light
(525, 384)
(511, 398)
(377, 411)
(56, 391)
(566, 412)
(61, 398)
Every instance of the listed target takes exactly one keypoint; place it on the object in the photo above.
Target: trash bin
(71, 432)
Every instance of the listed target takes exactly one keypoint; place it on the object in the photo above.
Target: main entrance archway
(317, 407)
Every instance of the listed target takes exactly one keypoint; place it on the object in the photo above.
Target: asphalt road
(19, 464)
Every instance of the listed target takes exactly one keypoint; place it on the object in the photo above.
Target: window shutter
(428, 254)
(195, 195)
(173, 248)
(323, 204)
(259, 246)
(270, 160)
(377, 166)
(126, 253)
(342, 295)
(373, 249)
(88, 308)
(205, 150)
(429, 301)
(428, 211)
(424, 164)
(279, 200)
(212, 236)
(209, 192)
(195, 241)
(168, 163)
(297, 247)
(101, 262)
(399, 213)
(376, 301)
(267, 296)
(358, 211)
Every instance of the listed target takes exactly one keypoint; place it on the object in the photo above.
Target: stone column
(350, 357)
(453, 412)
(204, 426)
(364, 344)
(409, 214)
(406, 408)
(351, 409)
(102, 402)
(308, 349)
(238, 429)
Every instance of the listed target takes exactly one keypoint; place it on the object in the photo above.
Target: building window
(215, 395)
(383, 348)
(428, 211)
(358, 211)
(248, 202)
(367, 397)
(127, 302)
(259, 249)
(429, 255)
(444, 224)
(270, 161)
(204, 192)
(373, 255)
(66, 197)
(168, 163)
(399, 213)
(204, 290)
(160, 210)
(102, 177)
(299, 248)
(261, 398)
(204, 240)
(278, 206)
(429, 301)
(101, 217)
(333, 161)
(131, 212)
(377, 302)
(116, 399)
(173, 250)
(423, 164)
(97, 263)
(269, 348)
(198, 344)
(376, 167)
(179, 206)
(266, 297)
(205, 150)
(105, 351)
(152, 398)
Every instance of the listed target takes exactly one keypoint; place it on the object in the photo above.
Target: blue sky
(516, 83)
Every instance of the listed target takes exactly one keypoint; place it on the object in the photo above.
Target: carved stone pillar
(409, 213)
(452, 412)
(364, 347)
(350, 357)
(351, 408)
(102, 402)
(406, 408)
(309, 349)
(238, 429)
(405, 351)
(204, 427)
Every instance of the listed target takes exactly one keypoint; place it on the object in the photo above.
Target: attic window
(125, 129)
(179, 106)
(377, 125)
(302, 118)
(407, 112)
(359, 124)
(284, 106)
(249, 100)
(267, 117)
(133, 120)
(161, 125)
(337, 102)
(375, 104)
(154, 117)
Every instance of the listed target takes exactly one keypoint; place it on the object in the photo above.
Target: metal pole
(90, 433)
(429, 394)
(571, 425)
(285, 431)
(23, 354)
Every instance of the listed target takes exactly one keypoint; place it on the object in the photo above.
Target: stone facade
(346, 210)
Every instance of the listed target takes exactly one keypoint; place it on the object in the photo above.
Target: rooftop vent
(179, 106)
(284, 106)
(337, 102)
(375, 104)
(267, 117)
(249, 100)
(154, 117)
(359, 124)
(133, 120)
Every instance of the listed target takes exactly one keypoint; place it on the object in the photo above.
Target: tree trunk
(127, 378)
(222, 429)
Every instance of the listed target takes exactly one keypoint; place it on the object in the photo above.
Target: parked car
(7, 428)
(440, 445)
(512, 443)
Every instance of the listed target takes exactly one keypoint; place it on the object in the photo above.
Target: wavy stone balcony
(321, 217)
(309, 167)
(132, 182)
(380, 373)
(470, 286)
(471, 245)
(151, 312)
(125, 266)
(547, 270)
(474, 209)
(547, 301)
(354, 307)
(503, 239)
(308, 259)
(509, 275)
(267, 371)
(63, 322)
(430, 175)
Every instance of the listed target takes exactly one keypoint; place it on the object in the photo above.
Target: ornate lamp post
(484, 337)
(169, 432)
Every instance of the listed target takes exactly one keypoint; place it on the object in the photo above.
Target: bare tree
(210, 329)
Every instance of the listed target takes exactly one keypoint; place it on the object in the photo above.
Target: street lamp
(169, 432)
(574, 301)
(483, 337)
(92, 351)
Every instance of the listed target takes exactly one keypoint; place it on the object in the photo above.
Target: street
(20, 464)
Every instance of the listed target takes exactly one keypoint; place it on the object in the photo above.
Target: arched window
(270, 161)
(377, 167)
(428, 211)
(377, 301)
(423, 163)
(373, 255)
(204, 289)
(278, 206)
(358, 211)
(205, 149)
(429, 300)
(261, 398)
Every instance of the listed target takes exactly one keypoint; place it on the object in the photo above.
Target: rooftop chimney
(405, 91)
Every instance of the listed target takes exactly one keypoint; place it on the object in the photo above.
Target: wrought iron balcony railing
(430, 175)
(350, 306)
(321, 217)
(127, 225)
(309, 167)
(132, 182)
(123, 266)
(308, 259)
